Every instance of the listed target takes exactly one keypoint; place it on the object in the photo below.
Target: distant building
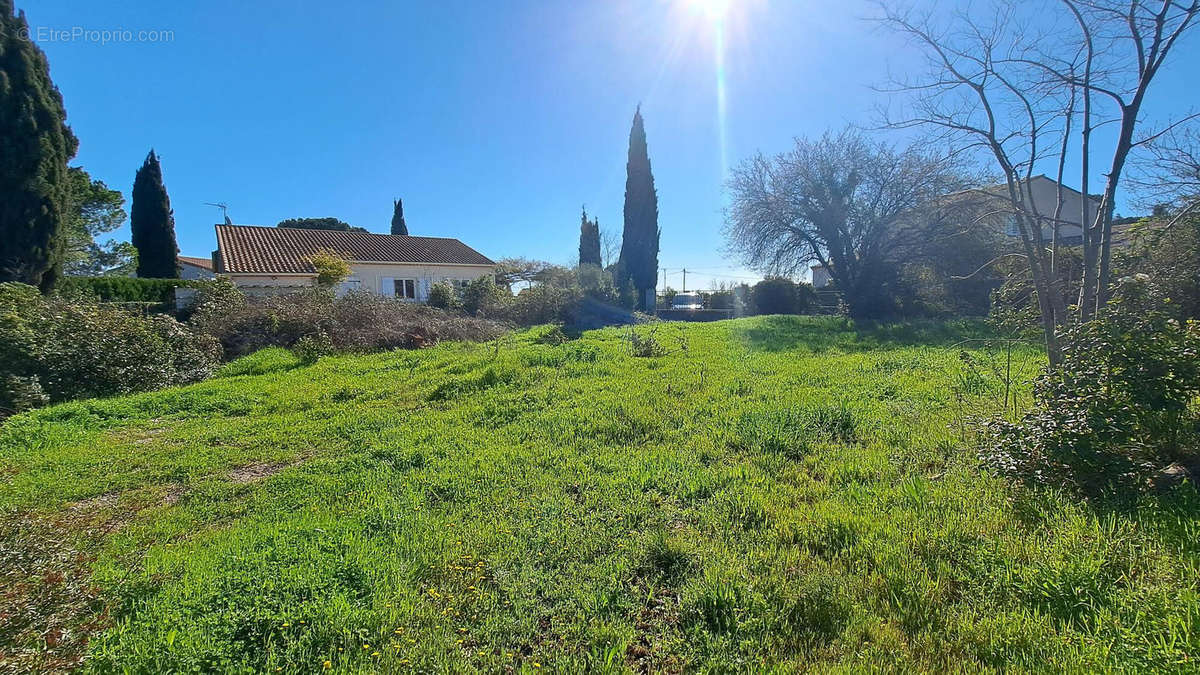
(997, 211)
(269, 260)
(194, 268)
(820, 277)
(1043, 198)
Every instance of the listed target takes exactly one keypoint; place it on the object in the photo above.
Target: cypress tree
(398, 226)
(638, 263)
(35, 146)
(589, 241)
(152, 223)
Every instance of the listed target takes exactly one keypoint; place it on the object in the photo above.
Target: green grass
(784, 492)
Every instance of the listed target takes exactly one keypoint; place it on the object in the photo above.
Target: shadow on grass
(821, 333)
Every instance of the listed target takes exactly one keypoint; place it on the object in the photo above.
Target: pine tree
(589, 241)
(638, 263)
(35, 146)
(398, 226)
(152, 223)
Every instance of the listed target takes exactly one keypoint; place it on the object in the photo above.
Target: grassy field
(785, 492)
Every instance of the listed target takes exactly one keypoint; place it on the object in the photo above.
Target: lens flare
(713, 9)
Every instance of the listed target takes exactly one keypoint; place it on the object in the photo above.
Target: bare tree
(610, 245)
(510, 271)
(1031, 96)
(1168, 174)
(855, 207)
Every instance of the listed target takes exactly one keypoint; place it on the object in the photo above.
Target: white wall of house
(821, 277)
(194, 272)
(393, 280)
(271, 284)
(1044, 197)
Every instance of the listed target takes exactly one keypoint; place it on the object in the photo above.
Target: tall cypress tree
(35, 146)
(638, 263)
(589, 241)
(398, 226)
(152, 223)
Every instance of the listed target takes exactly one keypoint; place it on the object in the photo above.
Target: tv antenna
(224, 210)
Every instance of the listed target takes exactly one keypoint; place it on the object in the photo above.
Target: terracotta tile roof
(206, 263)
(280, 250)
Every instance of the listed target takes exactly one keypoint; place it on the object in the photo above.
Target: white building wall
(380, 278)
(375, 277)
(820, 276)
(194, 272)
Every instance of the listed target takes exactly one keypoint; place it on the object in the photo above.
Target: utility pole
(685, 280)
(664, 279)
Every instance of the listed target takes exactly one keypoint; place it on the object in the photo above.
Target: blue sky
(494, 121)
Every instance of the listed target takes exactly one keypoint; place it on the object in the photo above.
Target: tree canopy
(93, 210)
(35, 144)
(589, 241)
(638, 264)
(152, 223)
(328, 223)
(398, 224)
(857, 207)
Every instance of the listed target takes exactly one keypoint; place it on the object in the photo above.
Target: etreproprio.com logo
(100, 36)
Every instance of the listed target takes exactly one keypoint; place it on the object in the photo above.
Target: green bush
(52, 349)
(1121, 404)
(780, 295)
(541, 304)
(482, 295)
(1172, 261)
(443, 295)
(122, 289)
(310, 348)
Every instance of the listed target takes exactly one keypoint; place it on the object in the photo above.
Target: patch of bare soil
(256, 471)
(657, 622)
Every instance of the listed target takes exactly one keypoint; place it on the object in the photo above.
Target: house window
(405, 288)
(459, 284)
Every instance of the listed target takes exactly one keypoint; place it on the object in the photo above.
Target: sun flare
(713, 9)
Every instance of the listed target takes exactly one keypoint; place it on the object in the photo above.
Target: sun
(715, 10)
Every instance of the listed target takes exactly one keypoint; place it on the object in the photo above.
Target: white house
(193, 268)
(268, 260)
(820, 276)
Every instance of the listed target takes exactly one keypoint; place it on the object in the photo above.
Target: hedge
(122, 289)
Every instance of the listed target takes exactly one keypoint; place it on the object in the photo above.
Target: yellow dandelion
(327, 665)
